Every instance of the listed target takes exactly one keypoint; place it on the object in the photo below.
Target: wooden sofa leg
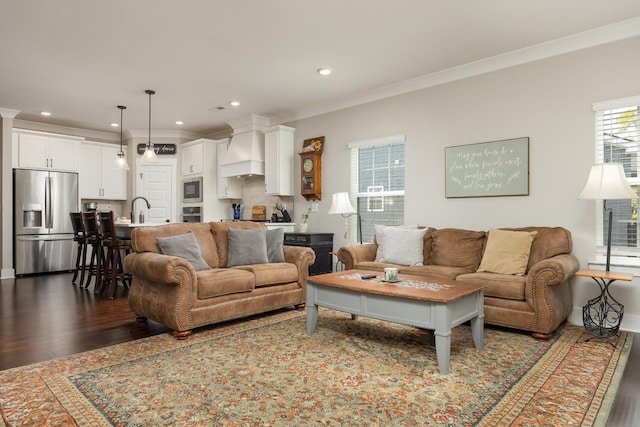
(300, 307)
(182, 335)
(540, 336)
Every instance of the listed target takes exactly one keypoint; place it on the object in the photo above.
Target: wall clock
(311, 175)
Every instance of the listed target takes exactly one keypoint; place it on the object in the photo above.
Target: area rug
(266, 371)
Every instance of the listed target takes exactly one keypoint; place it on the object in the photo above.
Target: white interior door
(157, 183)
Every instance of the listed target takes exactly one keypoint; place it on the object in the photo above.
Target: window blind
(618, 141)
(377, 184)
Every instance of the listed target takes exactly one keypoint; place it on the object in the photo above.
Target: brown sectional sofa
(538, 301)
(168, 289)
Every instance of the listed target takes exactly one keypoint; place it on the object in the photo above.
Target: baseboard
(7, 273)
(630, 322)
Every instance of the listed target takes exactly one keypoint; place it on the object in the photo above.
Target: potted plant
(302, 227)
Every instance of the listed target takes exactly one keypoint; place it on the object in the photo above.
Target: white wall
(548, 101)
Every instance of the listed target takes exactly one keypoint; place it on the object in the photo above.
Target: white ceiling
(79, 59)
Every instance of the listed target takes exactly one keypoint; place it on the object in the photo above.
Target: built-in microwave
(192, 190)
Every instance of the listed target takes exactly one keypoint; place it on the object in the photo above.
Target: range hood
(245, 154)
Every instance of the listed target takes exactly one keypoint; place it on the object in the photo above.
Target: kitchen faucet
(132, 202)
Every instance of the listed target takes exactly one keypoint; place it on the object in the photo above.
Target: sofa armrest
(352, 255)
(302, 257)
(554, 271)
(158, 268)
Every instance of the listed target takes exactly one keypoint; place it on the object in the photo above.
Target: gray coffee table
(435, 304)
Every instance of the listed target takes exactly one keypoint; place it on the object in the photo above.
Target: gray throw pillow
(183, 246)
(275, 240)
(247, 247)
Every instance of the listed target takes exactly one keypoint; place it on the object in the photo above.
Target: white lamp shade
(340, 204)
(149, 155)
(121, 162)
(607, 181)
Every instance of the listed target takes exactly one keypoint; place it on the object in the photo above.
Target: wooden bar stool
(94, 240)
(115, 249)
(80, 238)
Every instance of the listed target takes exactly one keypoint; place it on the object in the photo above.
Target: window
(377, 183)
(618, 141)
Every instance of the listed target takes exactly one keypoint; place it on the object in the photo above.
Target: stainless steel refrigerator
(42, 201)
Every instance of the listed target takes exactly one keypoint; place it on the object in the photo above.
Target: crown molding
(579, 41)
(66, 130)
(7, 113)
(169, 134)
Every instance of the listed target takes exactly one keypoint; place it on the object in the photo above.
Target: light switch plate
(314, 207)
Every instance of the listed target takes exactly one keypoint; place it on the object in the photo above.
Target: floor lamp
(340, 204)
(607, 181)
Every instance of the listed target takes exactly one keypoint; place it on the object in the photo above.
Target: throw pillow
(275, 240)
(403, 246)
(247, 247)
(378, 237)
(183, 246)
(507, 252)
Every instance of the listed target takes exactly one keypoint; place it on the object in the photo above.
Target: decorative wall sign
(160, 149)
(498, 168)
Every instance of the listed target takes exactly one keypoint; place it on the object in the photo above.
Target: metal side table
(602, 315)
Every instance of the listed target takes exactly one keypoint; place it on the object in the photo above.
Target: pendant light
(149, 155)
(121, 161)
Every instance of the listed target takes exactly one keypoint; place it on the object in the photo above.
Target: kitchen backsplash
(253, 195)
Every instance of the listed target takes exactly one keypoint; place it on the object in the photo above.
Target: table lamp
(607, 181)
(340, 204)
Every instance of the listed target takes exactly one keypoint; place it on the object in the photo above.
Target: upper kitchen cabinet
(228, 187)
(193, 158)
(278, 162)
(38, 150)
(99, 179)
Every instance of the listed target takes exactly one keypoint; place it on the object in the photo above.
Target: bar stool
(115, 249)
(80, 238)
(94, 240)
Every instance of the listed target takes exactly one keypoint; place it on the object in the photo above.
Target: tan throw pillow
(507, 252)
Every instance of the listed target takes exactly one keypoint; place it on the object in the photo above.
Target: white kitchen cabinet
(98, 178)
(193, 158)
(228, 187)
(278, 162)
(40, 150)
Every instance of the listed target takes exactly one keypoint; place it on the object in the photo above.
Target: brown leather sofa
(169, 290)
(538, 301)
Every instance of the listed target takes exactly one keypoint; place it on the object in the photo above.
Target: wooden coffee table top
(409, 286)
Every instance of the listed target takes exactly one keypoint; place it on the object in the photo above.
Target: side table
(322, 245)
(602, 315)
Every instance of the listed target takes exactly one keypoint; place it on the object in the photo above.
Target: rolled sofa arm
(352, 255)
(162, 289)
(554, 270)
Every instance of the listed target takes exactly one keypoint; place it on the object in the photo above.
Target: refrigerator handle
(47, 203)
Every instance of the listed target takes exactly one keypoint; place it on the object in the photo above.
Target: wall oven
(192, 214)
(192, 190)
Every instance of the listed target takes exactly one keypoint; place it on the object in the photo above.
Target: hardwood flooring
(45, 317)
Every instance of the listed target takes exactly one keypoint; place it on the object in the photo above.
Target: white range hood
(245, 154)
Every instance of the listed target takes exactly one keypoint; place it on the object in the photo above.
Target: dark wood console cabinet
(322, 245)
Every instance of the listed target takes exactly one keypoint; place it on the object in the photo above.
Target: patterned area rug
(267, 372)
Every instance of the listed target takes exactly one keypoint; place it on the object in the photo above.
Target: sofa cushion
(271, 274)
(507, 252)
(275, 240)
(247, 247)
(457, 248)
(223, 281)
(549, 242)
(183, 246)
(221, 236)
(505, 286)
(399, 245)
(143, 239)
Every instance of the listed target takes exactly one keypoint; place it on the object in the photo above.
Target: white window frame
(626, 257)
(354, 193)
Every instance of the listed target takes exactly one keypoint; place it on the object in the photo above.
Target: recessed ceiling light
(45, 113)
(234, 103)
(115, 125)
(324, 71)
(179, 122)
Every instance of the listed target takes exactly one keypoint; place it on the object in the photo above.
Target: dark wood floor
(46, 317)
